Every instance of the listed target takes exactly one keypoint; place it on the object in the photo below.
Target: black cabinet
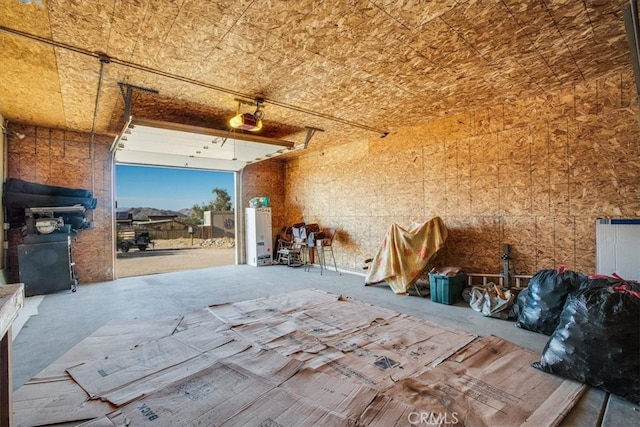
(46, 267)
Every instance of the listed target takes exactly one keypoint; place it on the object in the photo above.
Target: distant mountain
(144, 213)
(186, 212)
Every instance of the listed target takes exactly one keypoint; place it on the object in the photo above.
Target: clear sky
(168, 188)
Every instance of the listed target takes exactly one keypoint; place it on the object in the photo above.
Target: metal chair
(290, 247)
(325, 245)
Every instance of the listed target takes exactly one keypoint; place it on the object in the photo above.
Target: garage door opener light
(249, 121)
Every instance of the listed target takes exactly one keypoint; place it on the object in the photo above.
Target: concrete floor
(64, 319)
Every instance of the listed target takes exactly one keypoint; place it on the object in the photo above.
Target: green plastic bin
(447, 289)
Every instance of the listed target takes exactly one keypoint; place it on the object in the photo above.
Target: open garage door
(147, 142)
(171, 145)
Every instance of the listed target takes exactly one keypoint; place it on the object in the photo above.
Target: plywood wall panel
(586, 100)
(496, 119)
(464, 196)
(24, 146)
(515, 200)
(450, 160)
(609, 91)
(43, 141)
(487, 171)
(56, 142)
(76, 150)
(540, 200)
(539, 155)
(435, 169)
(482, 121)
(564, 234)
(591, 197)
(629, 93)
(73, 169)
(558, 152)
(525, 181)
(518, 228)
(477, 246)
(405, 164)
(451, 196)
(267, 179)
(514, 172)
(43, 168)
(485, 199)
(463, 158)
(434, 199)
(13, 164)
(484, 149)
(585, 252)
(523, 256)
(514, 145)
(27, 167)
(545, 232)
(559, 202)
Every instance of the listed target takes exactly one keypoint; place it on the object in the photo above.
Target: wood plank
(11, 301)
(6, 407)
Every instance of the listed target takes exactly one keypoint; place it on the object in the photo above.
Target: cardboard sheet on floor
(305, 330)
(385, 411)
(58, 398)
(53, 402)
(258, 310)
(209, 372)
(114, 336)
(280, 334)
(387, 352)
(201, 317)
(100, 376)
(308, 398)
(97, 422)
(206, 398)
(278, 408)
(158, 380)
(490, 382)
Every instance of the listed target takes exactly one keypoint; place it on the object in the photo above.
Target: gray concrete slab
(64, 319)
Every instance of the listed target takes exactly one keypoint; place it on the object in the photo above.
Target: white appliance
(618, 247)
(259, 241)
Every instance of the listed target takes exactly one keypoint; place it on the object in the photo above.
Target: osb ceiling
(350, 67)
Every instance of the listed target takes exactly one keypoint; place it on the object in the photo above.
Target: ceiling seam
(532, 44)
(166, 34)
(229, 30)
(139, 32)
(564, 41)
(489, 63)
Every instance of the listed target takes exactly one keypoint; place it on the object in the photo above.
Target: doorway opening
(173, 219)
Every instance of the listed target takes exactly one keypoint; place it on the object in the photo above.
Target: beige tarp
(404, 254)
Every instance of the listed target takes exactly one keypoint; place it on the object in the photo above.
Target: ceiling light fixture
(249, 121)
(18, 135)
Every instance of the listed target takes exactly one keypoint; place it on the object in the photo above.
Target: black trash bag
(518, 306)
(548, 290)
(598, 338)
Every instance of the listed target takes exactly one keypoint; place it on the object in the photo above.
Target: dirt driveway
(176, 255)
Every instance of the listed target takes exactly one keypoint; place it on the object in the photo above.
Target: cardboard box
(447, 289)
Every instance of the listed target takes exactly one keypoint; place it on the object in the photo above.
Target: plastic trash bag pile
(594, 325)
